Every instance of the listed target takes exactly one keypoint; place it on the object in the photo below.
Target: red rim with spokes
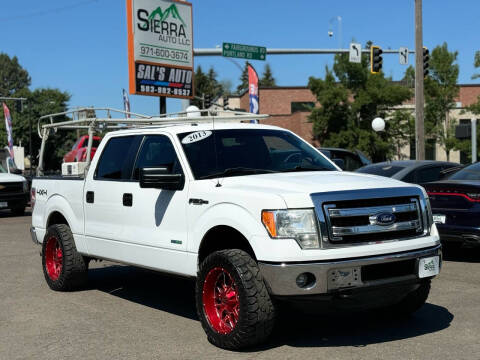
(53, 258)
(220, 300)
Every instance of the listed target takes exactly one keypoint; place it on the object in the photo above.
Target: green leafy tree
(441, 90)
(267, 79)
(476, 64)
(14, 82)
(13, 77)
(349, 106)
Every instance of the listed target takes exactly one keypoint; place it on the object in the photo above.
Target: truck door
(105, 214)
(156, 217)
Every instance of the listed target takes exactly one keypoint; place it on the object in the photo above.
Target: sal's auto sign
(160, 48)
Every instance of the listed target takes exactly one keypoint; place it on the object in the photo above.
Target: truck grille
(10, 188)
(357, 218)
(373, 220)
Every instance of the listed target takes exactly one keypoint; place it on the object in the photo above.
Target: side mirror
(340, 163)
(161, 178)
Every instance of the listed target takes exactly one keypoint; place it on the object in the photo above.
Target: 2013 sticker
(196, 136)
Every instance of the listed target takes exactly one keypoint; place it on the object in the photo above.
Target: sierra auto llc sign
(160, 48)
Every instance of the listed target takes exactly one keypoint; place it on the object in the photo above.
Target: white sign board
(160, 48)
(403, 52)
(355, 55)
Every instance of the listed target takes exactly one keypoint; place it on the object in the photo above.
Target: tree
(243, 86)
(267, 79)
(349, 106)
(476, 64)
(441, 90)
(14, 82)
(13, 77)
(206, 84)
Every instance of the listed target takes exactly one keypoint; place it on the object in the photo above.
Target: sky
(80, 46)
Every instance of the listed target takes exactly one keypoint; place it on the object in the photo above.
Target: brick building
(289, 108)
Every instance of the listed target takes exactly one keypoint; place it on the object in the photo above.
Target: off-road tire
(256, 313)
(73, 274)
(413, 301)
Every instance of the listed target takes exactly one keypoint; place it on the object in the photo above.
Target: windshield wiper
(236, 171)
(306, 168)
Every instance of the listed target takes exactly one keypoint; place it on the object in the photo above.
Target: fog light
(305, 280)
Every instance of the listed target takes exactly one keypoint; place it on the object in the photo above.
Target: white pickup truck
(253, 212)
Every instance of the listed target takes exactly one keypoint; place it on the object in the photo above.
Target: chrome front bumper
(33, 234)
(281, 278)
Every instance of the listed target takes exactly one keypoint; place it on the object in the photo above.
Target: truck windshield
(236, 152)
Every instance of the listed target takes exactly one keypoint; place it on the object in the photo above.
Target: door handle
(127, 199)
(90, 197)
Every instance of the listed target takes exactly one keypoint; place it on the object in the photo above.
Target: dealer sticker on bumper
(429, 266)
(439, 219)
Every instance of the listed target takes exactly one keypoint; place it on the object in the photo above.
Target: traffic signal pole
(218, 51)
(419, 75)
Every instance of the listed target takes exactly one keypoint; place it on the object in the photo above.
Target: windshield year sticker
(196, 136)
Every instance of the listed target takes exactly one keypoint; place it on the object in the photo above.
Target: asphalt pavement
(130, 313)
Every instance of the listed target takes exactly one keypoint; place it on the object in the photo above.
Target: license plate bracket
(344, 278)
(3, 204)
(439, 218)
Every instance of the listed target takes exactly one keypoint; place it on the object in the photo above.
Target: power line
(47, 12)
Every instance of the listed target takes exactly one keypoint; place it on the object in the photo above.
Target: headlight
(300, 225)
(25, 186)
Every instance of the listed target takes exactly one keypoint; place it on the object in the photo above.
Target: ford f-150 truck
(253, 212)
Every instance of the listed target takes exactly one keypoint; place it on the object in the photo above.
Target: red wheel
(53, 258)
(233, 303)
(63, 267)
(220, 300)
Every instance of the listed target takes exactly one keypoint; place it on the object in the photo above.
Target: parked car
(412, 171)
(14, 192)
(252, 212)
(456, 206)
(79, 149)
(350, 160)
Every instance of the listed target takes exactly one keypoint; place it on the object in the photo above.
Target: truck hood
(5, 177)
(295, 188)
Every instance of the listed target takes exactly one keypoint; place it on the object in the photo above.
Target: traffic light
(375, 59)
(207, 101)
(225, 102)
(426, 57)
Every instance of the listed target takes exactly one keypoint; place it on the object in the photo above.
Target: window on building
(302, 106)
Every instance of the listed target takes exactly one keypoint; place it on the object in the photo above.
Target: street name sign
(403, 53)
(249, 52)
(355, 53)
(160, 48)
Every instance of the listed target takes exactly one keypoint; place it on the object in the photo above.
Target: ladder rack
(81, 118)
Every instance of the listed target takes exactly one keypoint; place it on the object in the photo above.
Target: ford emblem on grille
(385, 219)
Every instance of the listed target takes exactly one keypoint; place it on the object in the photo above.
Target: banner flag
(253, 91)
(8, 125)
(126, 103)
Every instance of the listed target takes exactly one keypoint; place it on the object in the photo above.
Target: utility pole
(419, 100)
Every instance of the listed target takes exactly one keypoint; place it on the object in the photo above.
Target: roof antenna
(215, 148)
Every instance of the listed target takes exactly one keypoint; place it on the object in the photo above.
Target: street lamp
(378, 124)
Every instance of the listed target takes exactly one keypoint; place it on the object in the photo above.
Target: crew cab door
(121, 218)
(157, 217)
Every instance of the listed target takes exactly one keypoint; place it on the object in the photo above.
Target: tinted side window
(157, 151)
(351, 162)
(428, 174)
(117, 158)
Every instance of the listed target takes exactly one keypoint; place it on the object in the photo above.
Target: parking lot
(129, 313)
